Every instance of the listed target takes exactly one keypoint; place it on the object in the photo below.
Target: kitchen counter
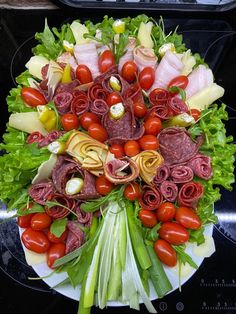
(27, 4)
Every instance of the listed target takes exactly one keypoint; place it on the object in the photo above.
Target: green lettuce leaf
(15, 102)
(22, 79)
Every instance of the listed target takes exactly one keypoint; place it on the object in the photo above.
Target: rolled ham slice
(87, 54)
(200, 78)
(128, 56)
(190, 193)
(145, 57)
(201, 166)
(169, 68)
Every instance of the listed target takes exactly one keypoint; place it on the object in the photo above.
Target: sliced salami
(201, 166)
(75, 237)
(151, 198)
(177, 146)
(80, 103)
(162, 174)
(57, 211)
(99, 107)
(133, 93)
(106, 83)
(62, 102)
(169, 190)
(49, 138)
(181, 174)
(160, 111)
(83, 217)
(113, 70)
(158, 97)
(190, 193)
(40, 192)
(177, 105)
(66, 87)
(96, 91)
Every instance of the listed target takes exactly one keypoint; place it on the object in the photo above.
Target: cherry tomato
(35, 241)
(179, 81)
(97, 132)
(166, 212)
(165, 252)
(69, 121)
(131, 148)
(117, 150)
(132, 191)
(129, 71)
(83, 74)
(87, 118)
(146, 78)
(40, 221)
(106, 60)
(113, 98)
(24, 221)
(195, 113)
(174, 233)
(33, 97)
(152, 126)
(57, 250)
(188, 218)
(148, 141)
(52, 238)
(140, 109)
(147, 218)
(103, 186)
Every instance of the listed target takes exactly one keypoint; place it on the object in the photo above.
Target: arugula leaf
(152, 234)
(197, 236)
(184, 257)
(176, 89)
(121, 46)
(58, 227)
(15, 102)
(133, 24)
(199, 60)
(36, 208)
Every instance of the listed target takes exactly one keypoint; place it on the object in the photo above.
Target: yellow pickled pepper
(66, 75)
(48, 117)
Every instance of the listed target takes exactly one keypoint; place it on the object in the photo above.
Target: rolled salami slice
(181, 174)
(49, 138)
(160, 111)
(96, 91)
(162, 174)
(106, 83)
(41, 192)
(177, 105)
(133, 93)
(76, 236)
(169, 190)
(190, 193)
(113, 70)
(151, 198)
(80, 103)
(201, 166)
(57, 211)
(158, 97)
(62, 102)
(83, 217)
(66, 87)
(99, 107)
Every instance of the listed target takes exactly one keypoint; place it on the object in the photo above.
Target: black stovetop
(213, 286)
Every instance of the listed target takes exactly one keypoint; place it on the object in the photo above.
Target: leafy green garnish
(184, 257)
(22, 79)
(199, 60)
(36, 208)
(65, 33)
(176, 89)
(58, 227)
(121, 46)
(197, 236)
(65, 137)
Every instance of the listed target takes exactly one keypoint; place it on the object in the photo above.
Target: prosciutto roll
(169, 190)
(151, 198)
(190, 193)
(145, 57)
(62, 102)
(75, 237)
(200, 78)
(169, 68)
(201, 166)
(162, 174)
(181, 174)
(40, 192)
(87, 54)
(128, 56)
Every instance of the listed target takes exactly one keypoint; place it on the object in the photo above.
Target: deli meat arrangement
(114, 155)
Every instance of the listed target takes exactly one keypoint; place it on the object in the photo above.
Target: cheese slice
(45, 170)
(33, 258)
(206, 249)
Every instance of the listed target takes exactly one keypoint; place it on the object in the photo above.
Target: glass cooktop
(213, 286)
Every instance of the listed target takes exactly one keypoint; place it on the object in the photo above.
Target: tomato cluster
(38, 238)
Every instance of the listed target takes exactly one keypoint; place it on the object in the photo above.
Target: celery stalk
(82, 309)
(122, 239)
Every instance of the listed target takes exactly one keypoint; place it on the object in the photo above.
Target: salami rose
(80, 103)
(113, 70)
(96, 91)
(57, 211)
(201, 166)
(75, 237)
(151, 198)
(162, 174)
(49, 138)
(83, 217)
(177, 105)
(160, 111)
(34, 137)
(158, 97)
(62, 102)
(40, 192)
(133, 93)
(190, 193)
(66, 87)
(99, 107)
(181, 174)
(169, 190)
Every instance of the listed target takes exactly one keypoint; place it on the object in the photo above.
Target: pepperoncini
(66, 75)
(48, 117)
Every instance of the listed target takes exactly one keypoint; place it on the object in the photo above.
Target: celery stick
(122, 239)
(137, 239)
(158, 276)
(82, 309)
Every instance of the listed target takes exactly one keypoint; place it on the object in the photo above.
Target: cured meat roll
(151, 198)
(162, 174)
(190, 193)
(75, 238)
(57, 211)
(145, 57)
(169, 190)
(181, 174)
(62, 102)
(40, 192)
(201, 166)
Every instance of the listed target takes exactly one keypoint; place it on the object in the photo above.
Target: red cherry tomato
(148, 141)
(195, 113)
(113, 98)
(147, 218)
(106, 60)
(131, 148)
(179, 81)
(129, 71)
(57, 250)
(40, 221)
(33, 97)
(132, 191)
(87, 118)
(174, 233)
(117, 150)
(140, 109)
(35, 241)
(165, 252)
(24, 221)
(166, 212)
(152, 126)
(52, 238)
(69, 121)
(146, 78)
(98, 132)
(83, 74)
(103, 186)
(188, 218)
